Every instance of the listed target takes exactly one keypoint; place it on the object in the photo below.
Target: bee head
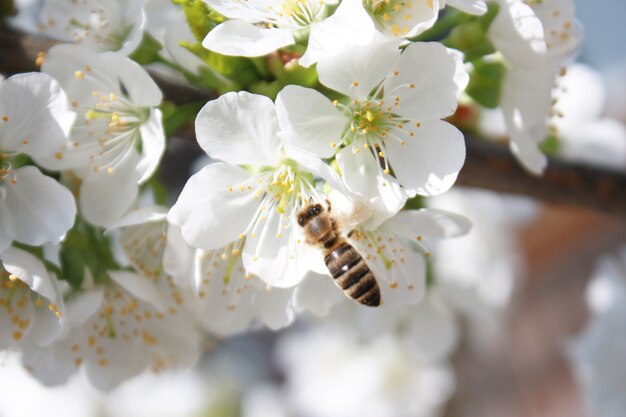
(308, 213)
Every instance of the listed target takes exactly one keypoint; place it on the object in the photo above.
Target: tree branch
(487, 165)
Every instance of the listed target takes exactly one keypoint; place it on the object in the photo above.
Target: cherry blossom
(386, 134)
(118, 139)
(32, 310)
(115, 25)
(34, 119)
(536, 38)
(254, 211)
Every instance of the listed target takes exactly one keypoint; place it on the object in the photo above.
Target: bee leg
(328, 206)
(333, 224)
(354, 234)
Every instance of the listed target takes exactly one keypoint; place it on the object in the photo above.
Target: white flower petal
(105, 196)
(411, 19)
(432, 328)
(358, 70)
(475, 7)
(209, 215)
(36, 119)
(274, 307)
(240, 128)
(364, 177)
(36, 209)
(273, 254)
(308, 120)
(5, 239)
(83, 305)
(237, 10)
(398, 268)
(141, 287)
(152, 145)
(317, 293)
(176, 32)
(178, 257)
(349, 26)
(46, 363)
(225, 297)
(428, 223)
(31, 271)
(430, 161)
(518, 33)
(239, 38)
(142, 215)
(425, 82)
(141, 89)
(317, 166)
(46, 327)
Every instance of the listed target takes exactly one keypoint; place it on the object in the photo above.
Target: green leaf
(200, 18)
(148, 50)
(550, 146)
(415, 203)
(86, 247)
(485, 83)
(174, 117)
(470, 36)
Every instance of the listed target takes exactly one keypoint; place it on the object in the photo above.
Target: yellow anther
(79, 75)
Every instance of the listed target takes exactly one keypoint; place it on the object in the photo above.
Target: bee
(345, 264)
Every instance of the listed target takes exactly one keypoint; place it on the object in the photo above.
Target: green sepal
(86, 247)
(200, 18)
(470, 37)
(550, 146)
(148, 50)
(175, 117)
(486, 82)
(415, 203)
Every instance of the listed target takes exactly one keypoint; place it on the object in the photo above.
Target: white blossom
(113, 25)
(258, 28)
(584, 133)
(475, 7)
(382, 377)
(34, 119)
(255, 212)
(118, 139)
(535, 38)
(31, 306)
(387, 134)
(229, 300)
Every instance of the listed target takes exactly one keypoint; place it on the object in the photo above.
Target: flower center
(298, 14)
(387, 12)
(282, 192)
(144, 245)
(109, 128)
(106, 31)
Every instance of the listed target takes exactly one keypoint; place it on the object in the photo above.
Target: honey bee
(345, 264)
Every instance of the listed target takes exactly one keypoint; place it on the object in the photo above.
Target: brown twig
(487, 165)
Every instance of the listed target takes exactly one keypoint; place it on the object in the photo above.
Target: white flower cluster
(124, 285)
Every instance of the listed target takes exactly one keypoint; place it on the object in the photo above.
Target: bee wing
(349, 212)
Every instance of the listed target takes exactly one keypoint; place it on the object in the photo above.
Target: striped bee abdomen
(352, 274)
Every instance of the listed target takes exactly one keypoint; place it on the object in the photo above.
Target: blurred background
(518, 286)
